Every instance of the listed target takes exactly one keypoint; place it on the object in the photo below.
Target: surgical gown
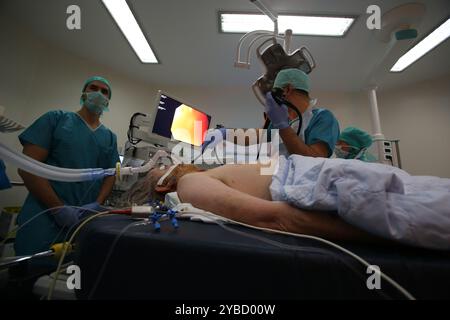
(71, 143)
(321, 127)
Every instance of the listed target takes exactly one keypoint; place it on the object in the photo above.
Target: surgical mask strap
(360, 153)
(161, 180)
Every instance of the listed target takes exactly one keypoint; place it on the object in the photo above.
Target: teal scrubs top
(323, 127)
(71, 143)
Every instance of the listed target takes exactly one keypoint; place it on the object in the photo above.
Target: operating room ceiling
(185, 37)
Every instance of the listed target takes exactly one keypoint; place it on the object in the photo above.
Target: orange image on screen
(189, 125)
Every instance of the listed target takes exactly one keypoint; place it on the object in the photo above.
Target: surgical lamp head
(275, 60)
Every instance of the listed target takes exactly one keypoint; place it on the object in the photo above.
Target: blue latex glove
(67, 217)
(93, 207)
(277, 114)
(213, 137)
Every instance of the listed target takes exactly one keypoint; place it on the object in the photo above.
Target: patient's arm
(241, 193)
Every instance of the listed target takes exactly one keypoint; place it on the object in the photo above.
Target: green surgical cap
(296, 77)
(356, 137)
(97, 78)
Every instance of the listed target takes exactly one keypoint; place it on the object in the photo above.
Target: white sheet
(188, 211)
(380, 199)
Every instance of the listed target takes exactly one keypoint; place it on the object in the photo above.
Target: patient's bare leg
(209, 192)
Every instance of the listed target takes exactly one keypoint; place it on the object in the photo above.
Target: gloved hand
(91, 208)
(213, 137)
(277, 114)
(67, 217)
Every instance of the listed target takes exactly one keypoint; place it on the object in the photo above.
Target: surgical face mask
(340, 153)
(96, 102)
(353, 152)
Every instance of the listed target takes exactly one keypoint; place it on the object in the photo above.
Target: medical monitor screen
(176, 120)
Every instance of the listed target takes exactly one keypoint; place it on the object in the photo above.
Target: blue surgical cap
(356, 137)
(296, 77)
(97, 78)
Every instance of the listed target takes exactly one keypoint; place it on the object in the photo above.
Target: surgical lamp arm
(238, 62)
(259, 47)
(268, 12)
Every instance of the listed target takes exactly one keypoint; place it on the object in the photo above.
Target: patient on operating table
(241, 193)
(331, 198)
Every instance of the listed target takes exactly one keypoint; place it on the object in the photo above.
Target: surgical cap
(97, 78)
(356, 137)
(296, 77)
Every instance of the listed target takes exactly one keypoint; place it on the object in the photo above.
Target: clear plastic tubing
(50, 172)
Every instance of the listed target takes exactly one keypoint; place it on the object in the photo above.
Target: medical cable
(32, 218)
(14, 230)
(348, 252)
(332, 244)
(55, 239)
(110, 251)
(58, 269)
(110, 212)
(298, 248)
(81, 201)
(277, 95)
(87, 191)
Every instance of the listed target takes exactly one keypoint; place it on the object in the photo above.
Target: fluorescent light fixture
(304, 25)
(121, 13)
(423, 47)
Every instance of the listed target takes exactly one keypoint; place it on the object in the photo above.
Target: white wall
(36, 77)
(419, 116)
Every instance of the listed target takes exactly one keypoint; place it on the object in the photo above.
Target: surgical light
(304, 25)
(423, 47)
(121, 13)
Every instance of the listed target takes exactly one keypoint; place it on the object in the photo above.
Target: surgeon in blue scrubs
(320, 129)
(69, 140)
